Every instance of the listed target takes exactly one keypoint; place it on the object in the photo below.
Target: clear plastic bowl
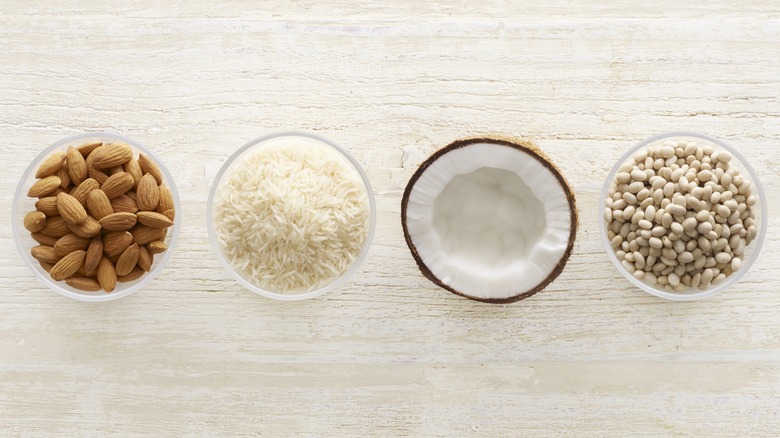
(751, 251)
(314, 139)
(22, 205)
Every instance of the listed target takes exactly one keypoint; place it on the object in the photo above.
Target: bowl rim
(731, 280)
(61, 287)
(355, 263)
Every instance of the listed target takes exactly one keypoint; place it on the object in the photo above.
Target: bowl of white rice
(291, 215)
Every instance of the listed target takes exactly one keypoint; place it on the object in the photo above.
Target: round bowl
(22, 205)
(313, 139)
(751, 251)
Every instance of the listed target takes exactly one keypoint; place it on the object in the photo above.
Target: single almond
(143, 234)
(98, 204)
(44, 239)
(127, 260)
(98, 176)
(124, 203)
(46, 266)
(94, 254)
(44, 253)
(83, 283)
(154, 219)
(69, 243)
(135, 274)
(88, 148)
(149, 166)
(77, 167)
(145, 259)
(134, 169)
(110, 155)
(170, 214)
(68, 265)
(106, 274)
(89, 229)
(64, 177)
(118, 221)
(44, 186)
(82, 191)
(117, 184)
(116, 242)
(55, 227)
(148, 193)
(50, 165)
(47, 206)
(34, 221)
(166, 200)
(156, 247)
(71, 209)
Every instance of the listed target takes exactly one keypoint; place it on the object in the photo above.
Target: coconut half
(489, 218)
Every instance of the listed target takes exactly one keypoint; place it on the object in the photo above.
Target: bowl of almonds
(94, 216)
(683, 216)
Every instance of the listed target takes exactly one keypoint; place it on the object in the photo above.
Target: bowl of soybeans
(683, 216)
(93, 216)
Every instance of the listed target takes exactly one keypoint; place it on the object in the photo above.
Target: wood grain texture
(389, 354)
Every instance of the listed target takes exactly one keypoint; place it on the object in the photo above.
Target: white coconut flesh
(490, 221)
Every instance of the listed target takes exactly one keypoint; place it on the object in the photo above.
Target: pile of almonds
(101, 215)
(679, 215)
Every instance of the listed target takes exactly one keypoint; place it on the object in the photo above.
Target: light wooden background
(389, 354)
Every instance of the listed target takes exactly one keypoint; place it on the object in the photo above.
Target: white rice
(291, 216)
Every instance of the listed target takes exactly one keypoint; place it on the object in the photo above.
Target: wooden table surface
(389, 354)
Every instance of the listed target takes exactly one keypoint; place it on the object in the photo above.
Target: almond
(124, 203)
(99, 205)
(83, 283)
(117, 184)
(98, 176)
(71, 209)
(148, 193)
(81, 192)
(50, 165)
(64, 177)
(115, 242)
(34, 221)
(69, 243)
(88, 148)
(68, 265)
(148, 166)
(77, 167)
(44, 186)
(55, 227)
(127, 260)
(154, 219)
(144, 259)
(166, 200)
(94, 254)
(46, 266)
(56, 192)
(170, 214)
(110, 155)
(89, 229)
(156, 247)
(143, 234)
(47, 206)
(44, 253)
(135, 274)
(134, 169)
(106, 275)
(44, 239)
(118, 221)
